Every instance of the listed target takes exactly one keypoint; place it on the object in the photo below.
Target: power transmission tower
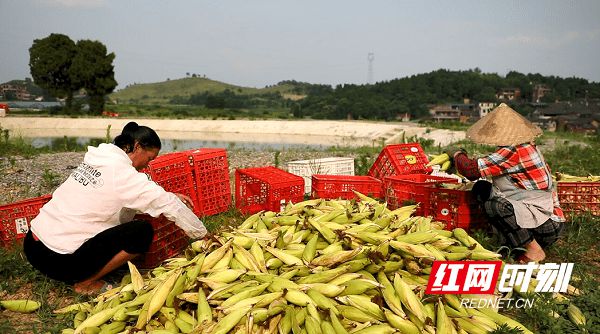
(370, 57)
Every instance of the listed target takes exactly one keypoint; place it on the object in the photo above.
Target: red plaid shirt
(526, 167)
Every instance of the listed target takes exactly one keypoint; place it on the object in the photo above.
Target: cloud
(554, 41)
(75, 3)
(593, 35)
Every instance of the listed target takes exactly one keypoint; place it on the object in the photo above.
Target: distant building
(539, 91)
(580, 126)
(444, 112)
(17, 91)
(462, 112)
(509, 94)
(580, 116)
(485, 107)
(545, 123)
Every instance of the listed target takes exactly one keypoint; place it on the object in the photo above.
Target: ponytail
(133, 133)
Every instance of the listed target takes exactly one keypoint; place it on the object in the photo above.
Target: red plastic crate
(456, 208)
(264, 188)
(579, 198)
(15, 219)
(169, 240)
(400, 159)
(173, 172)
(341, 186)
(211, 178)
(407, 189)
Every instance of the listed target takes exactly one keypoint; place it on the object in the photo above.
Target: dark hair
(133, 133)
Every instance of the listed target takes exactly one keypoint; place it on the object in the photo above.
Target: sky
(256, 43)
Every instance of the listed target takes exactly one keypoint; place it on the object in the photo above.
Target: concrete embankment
(348, 133)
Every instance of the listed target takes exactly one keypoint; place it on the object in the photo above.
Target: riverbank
(341, 133)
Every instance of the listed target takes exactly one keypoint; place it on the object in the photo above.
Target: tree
(50, 62)
(92, 69)
(63, 67)
(215, 102)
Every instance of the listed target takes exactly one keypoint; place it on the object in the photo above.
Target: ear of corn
(322, 266)
(575, 314)
(211, 259)
(438, 159)
(97, 319)
(309, 252)
(286, 258)
(20, 305)
(136, 278)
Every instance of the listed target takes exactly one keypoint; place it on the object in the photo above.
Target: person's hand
(452, 151)
(186, 200)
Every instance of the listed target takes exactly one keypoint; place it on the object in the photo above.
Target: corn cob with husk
(438, 160)
(563, 177)
(318, 266)
(20, 305)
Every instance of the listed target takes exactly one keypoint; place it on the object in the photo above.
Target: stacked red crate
(211, 179)
(266, 188)
(173, 172)
(456, 208)
(578, 198)
(342, 186)
(15, 219)
(169, 240)
(412, 189)
(400, 159)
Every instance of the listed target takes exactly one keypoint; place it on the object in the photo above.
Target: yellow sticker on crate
(410, 159)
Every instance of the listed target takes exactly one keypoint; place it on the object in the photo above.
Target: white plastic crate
(328, 166)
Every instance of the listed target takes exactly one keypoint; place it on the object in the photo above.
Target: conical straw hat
(503, 127)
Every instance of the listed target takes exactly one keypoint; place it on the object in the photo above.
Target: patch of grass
(574, 159)
(578, 245)
(276, 161)
(19, 280)
(363, 163)
(540, 319)
(223, 221)
(50, 178)
(505, 329)
(18, 146)
(10, 146)
(450, 125)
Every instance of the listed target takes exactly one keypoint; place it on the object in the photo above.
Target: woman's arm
(466, 166)
(137, 192)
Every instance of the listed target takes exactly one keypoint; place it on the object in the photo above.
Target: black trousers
(502, 217)
(134, 237)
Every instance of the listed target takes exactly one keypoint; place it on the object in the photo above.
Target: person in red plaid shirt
(520, 200)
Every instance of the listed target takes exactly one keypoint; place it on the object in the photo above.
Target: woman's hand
(186, 200)
(453, 151)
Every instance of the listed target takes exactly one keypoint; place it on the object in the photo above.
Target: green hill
(163, 92)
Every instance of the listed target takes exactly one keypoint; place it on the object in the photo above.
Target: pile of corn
(321, 266)
(564, 177)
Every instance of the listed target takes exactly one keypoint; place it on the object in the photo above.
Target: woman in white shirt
(84, 232)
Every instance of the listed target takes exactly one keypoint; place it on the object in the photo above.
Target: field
(566, 153)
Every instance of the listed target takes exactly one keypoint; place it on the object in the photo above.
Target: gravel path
(23, 178)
